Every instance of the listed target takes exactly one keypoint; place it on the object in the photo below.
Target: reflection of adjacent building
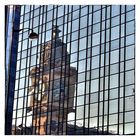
(100, 45)
(52, 89)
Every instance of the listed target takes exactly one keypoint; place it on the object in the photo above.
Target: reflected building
(78, 76)
(51, 99)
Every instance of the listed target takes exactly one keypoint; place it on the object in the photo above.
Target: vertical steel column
(98, 119)
(76, 91)
(104, 76)
(29, 51)
(134, 77)
(12, 72)
(90, 69)
(119, 70)
(108, 109)
(86, 67)
(124, 73)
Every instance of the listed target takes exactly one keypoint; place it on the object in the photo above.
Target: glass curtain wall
(100, 45)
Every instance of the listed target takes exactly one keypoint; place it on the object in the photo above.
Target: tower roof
(56, 31)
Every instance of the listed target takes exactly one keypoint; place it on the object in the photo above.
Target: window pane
(115, 21)
(94, 85)
(95, 62)
(96, 28)
(80, 100)
(114, 56)
(23, 63)
(60, 11)
(115, 10)
(81, 88)
(82, 43)
(83, 22)
(20, 104)
(74, 46)
(94, 97)
(129, 103)
(96, 39)
(84, 11)
(82, 54)
(75, 35)
(95, 50)
(16, 84)
(129, 116)
(113, 119)
(36, 21)
(129, 52)
(97, 7)
(94, 73)
(113, 107)
(24, 54)
(130, 15)
(33, 60)
(24, 45)
(93, 110)
(129, 90)
(114, 33)
(129, 7)
(83, 32)
(33, 50)
(129, 128)
(75, 25)
(114, 68)
(114, 81)
(21, 83)
(113, 93)
(81, 77)
(89, 19)
(22, 73)
(129, 64)
(60, 21)
(75, 14)
(130, 40)
(114, 44)
(121, 79)
(130, 27)
(73, 57)
(129, 77)
(96, 16)
(82, 65)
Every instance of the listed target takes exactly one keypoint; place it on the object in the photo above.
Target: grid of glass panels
(101, 44)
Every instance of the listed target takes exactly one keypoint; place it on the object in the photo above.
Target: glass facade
(98, 45)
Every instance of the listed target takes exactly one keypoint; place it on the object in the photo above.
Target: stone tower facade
(52, 88)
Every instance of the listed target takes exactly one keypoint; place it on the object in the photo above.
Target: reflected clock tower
(52, 88)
